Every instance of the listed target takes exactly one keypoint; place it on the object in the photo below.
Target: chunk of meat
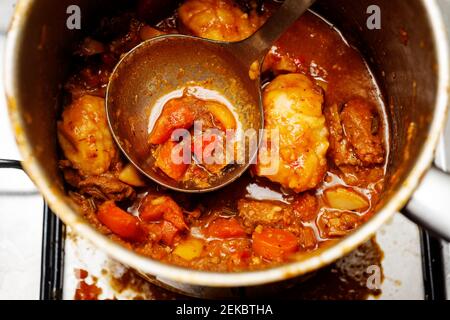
(270, 214)
(120, 222)
(91, 80)
(169, 232)
(127, 41)
(84, 136)
(274, 244)
(307, 239)
(220, 20)
(362, 126)
(356, 136)
(176, 114)
(195, 175)
(225, 228)
(337, 224)
(293, 108)
(361, 176)
(106, 187)
(306, 207)
(232, 252)
(165, 160)
(103, 187)
(256, 213)
(341, 150)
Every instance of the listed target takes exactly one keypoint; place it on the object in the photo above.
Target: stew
(318, 93)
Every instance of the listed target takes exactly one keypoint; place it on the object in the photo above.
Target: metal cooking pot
(414, 78)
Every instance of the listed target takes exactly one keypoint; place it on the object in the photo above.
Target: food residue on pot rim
(346, 279)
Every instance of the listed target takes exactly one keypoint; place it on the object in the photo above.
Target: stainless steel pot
(414, 79)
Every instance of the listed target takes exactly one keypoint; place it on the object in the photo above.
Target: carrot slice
(176, 114)
(165, 162)
(274, 244)
(120, 222)
(225, 228)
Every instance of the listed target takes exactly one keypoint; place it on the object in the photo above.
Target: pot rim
(57, 199)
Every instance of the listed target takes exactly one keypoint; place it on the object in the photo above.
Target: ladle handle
(256, 46)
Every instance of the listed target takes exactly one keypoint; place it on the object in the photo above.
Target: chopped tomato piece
(176, 114)
(274, 244)
(164, 161)
(168, 232)
(154, 209)
(225, 228)
(120, 222)
(175, 216)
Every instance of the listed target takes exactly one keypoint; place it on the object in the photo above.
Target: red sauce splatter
(86, 291)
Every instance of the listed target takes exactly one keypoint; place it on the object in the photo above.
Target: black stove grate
(433, 267)
(52, 263)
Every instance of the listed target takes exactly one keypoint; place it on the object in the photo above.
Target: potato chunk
(130, 175)
(84, 136)
(293, 107)
(189, 249)
(346, 199)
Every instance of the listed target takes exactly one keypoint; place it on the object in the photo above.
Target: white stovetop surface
(21, 228)
(20, 207)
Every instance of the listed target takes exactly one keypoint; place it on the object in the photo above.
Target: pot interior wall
(401, 54)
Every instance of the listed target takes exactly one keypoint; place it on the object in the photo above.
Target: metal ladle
(167, 63)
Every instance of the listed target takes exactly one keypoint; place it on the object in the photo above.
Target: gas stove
(41, 259)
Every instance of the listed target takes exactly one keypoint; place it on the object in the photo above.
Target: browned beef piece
(256, 213)
(356, 136)
(337, 224)
(103, 187)
(340, 149)
(106, 187)
(307, 239)
(128, 41)
(306, 207)
(290, 217)
(362, 126)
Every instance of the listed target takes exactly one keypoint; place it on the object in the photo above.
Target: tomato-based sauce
(318, 93)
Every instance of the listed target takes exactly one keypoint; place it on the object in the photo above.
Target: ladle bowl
(164, 67)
